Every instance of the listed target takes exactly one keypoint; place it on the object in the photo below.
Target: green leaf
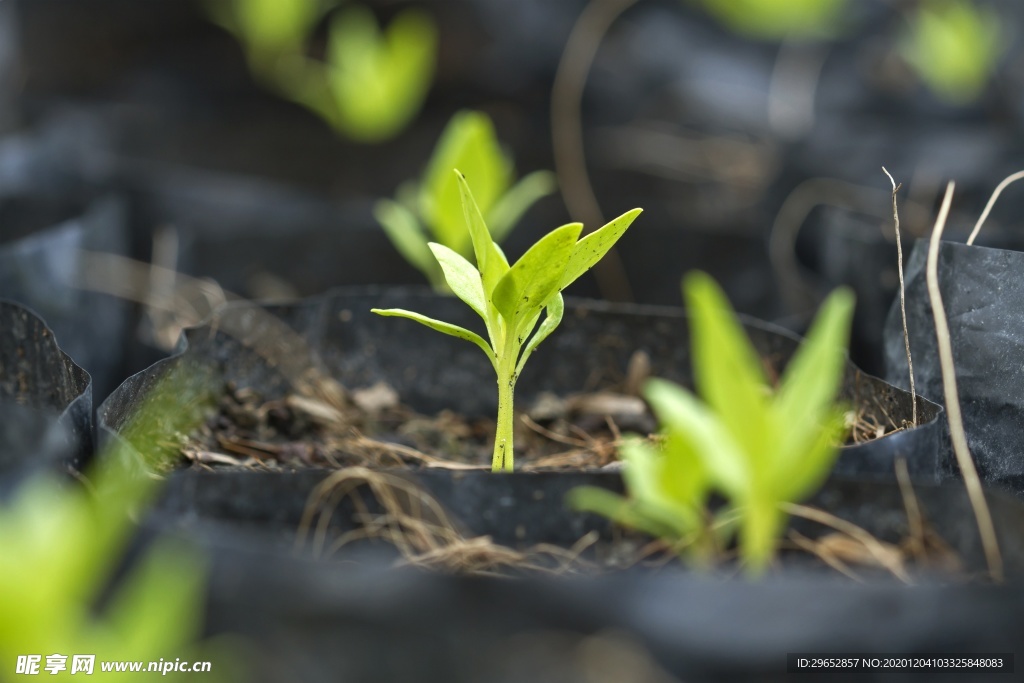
(621, 511)
(727, 369)
(272, 25)
(407, 236)
(552, 317)
(683, 474)
(469, 144)
(594, 246)
(510, 207)
(808, 390)
(723, 457)
(536, 276)
(462, 277)
(440, 326)
(954, 46)
(490, 260)
(796, 478)
(379, 81)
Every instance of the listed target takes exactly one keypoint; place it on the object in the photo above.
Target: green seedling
(757, 445)
(378, 79)
(778, 19)
(511, 299)
(60, 546)
(954, 47)
(431, 211)
(371, 83)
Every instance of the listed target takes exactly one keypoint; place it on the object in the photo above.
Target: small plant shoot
(431, 211)
(372, 81)
(757, 445)
(954, 46)
(511, 298)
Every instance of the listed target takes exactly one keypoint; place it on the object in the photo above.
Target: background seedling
(61, 545)
(511, 299)
(431, 211)
(954, 46)
(759, 446)
(373, 81)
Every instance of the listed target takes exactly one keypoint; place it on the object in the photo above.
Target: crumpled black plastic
(983, 294)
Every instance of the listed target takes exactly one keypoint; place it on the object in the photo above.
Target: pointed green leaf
(552, 317)
(815, 374)
(440, 326)
(406, 234)
(727, 369)
(795, 479)
(379, 79)
(684, 476)
(462, 277)
(490, 261)
(470, 144)
(722, 456)
(510, 208)
(594, 246)
(811, 382)
(536, 276)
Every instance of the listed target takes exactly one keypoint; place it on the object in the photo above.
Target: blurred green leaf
(438, 325)
(408, 237)
(379, 79)
(954, 46)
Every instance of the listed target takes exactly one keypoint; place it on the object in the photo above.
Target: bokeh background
(754, 139)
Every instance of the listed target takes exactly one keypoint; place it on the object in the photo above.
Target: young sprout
(510, 299)
(757, 445)
(432, 211)
(379, 79)
(372, 82)
(953, 46)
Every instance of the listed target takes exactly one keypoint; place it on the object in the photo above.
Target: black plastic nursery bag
(983, 295)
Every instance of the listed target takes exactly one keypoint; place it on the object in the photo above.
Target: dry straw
(956, 423)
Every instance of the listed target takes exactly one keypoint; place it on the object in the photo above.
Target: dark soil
(371, 426)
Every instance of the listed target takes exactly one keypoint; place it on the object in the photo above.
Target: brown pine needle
(956, 422)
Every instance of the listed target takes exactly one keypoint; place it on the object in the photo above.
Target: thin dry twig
(567, 133)
(903, 294)
(824, 553)
(882, 554)
(955, 417)
(992, 202)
